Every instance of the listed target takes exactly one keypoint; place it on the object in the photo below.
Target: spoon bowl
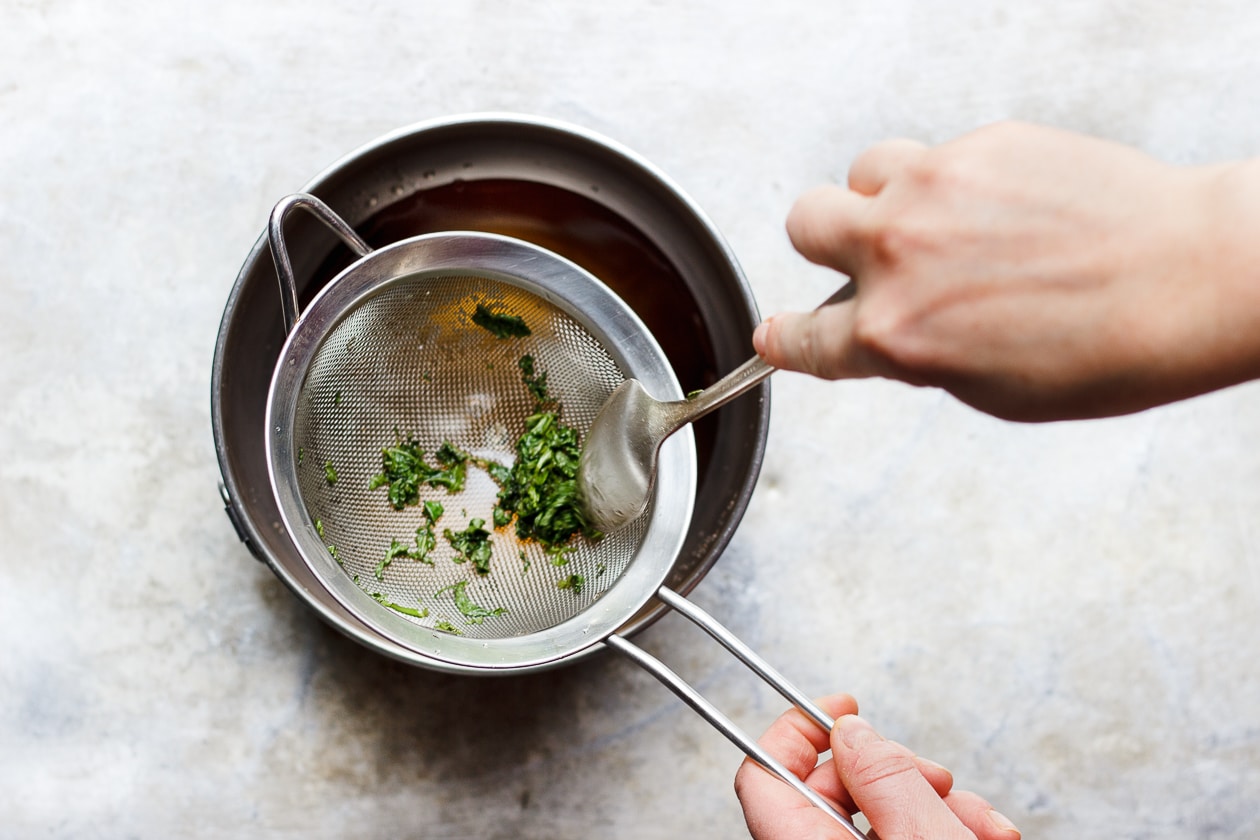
(617, 467)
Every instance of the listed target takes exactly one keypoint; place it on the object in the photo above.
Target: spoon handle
(746, 376)
(741, 379)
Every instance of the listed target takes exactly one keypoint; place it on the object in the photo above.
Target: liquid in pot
(579, 229)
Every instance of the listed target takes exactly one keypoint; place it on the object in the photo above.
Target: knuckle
(949, 170)
(821, 348)
(798, 755)
(953, 169)
(876, 330)
(807, 350)
(786, 745)
(893, 333)
(881, 763)
(895, 236)
(888, 243)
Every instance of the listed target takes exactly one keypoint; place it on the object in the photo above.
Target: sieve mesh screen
(409, 362)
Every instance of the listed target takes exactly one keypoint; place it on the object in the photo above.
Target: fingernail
(759, 337)
(1001, 823)
(855, 732)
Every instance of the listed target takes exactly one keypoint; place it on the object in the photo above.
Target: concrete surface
(1065, 615)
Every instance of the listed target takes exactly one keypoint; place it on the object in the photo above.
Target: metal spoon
(618, 462)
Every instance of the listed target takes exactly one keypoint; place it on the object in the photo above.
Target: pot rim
(712, 543)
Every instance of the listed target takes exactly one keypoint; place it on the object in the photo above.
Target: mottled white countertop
(1065, 615)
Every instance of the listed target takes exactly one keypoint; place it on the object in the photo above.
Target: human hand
(1034, 273)
(904, 797)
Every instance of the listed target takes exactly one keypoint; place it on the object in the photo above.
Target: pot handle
(719, 720)
(280, 252)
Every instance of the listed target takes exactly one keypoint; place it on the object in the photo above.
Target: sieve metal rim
(588, 301)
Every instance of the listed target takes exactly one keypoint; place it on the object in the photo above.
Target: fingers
(902, 795)
(824, 225)
(888, 787)
(873, 168)
(796, 740)
(773, 810)
(832, 226)
(819, 343)
(826, 780)
(981, 817)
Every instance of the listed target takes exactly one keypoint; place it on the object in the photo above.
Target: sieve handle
(747, 655)
(280, 251)
(715, 716)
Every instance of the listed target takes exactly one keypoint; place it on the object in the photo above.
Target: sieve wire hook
(280, 251)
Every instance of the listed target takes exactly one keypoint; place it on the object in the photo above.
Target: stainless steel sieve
(388, 350)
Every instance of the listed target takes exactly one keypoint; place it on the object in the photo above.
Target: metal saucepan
(507, 155)
(556, 185)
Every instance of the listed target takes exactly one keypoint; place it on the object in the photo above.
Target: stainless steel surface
(392, 336)
(747, 655)
(619, 460)
(723, 724)
(727, 727)
(448, 151)
(289, 307)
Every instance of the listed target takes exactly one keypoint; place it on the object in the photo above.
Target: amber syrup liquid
(579, 229)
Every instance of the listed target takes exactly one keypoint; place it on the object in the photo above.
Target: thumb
(887, 786)
(818, 343)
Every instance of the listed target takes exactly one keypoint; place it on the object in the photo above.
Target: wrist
(1226, 264)
(1188, 312)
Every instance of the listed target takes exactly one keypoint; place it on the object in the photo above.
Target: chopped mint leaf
(498, 324)
(475, 613)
